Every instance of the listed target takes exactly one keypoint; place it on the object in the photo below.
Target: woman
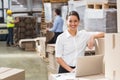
(72, 43)
(57, 26)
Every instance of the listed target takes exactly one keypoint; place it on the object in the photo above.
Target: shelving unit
(4, 5)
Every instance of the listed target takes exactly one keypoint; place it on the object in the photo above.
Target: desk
(71, 76)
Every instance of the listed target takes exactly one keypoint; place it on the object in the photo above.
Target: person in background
(72, 43)
(57, 26)
(10, 25)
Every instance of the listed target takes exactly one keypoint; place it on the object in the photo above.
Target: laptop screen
(89, 65)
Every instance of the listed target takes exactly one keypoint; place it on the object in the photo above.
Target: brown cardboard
(11, 74)
(50, 48)
(29, 46)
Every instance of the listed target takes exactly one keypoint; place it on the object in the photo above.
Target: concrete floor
(35, 68)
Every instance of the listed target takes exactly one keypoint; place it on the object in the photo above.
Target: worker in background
(10, 25)
(72, 43)
(57, 25)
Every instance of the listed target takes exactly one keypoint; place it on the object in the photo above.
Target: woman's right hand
(73, 70)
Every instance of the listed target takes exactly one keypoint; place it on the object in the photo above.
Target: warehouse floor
(14, 57)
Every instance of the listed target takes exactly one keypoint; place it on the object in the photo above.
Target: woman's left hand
(47, 29)
(73, 71)
(91, 42)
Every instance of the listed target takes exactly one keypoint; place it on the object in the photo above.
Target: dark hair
(58, 11)
(74, 13)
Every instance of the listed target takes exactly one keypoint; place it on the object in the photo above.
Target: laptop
(89, 65)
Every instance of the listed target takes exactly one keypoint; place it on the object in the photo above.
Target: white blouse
(69, 48)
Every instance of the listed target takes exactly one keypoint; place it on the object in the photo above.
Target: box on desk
(11, 74)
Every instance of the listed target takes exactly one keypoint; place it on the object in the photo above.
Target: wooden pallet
(46, 0)
(57, 1)
(101, 6)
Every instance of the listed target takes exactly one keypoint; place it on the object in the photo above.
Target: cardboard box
(108, 56)
(53, 65)
(112, 56)
(51, 48)
(52, 61)
(41, 46)
(11, 74)
(29, 46)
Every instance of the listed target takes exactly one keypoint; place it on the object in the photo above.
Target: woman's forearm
(100, 35)
(63, 64)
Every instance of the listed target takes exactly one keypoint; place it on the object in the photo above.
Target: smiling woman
(72, 43)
